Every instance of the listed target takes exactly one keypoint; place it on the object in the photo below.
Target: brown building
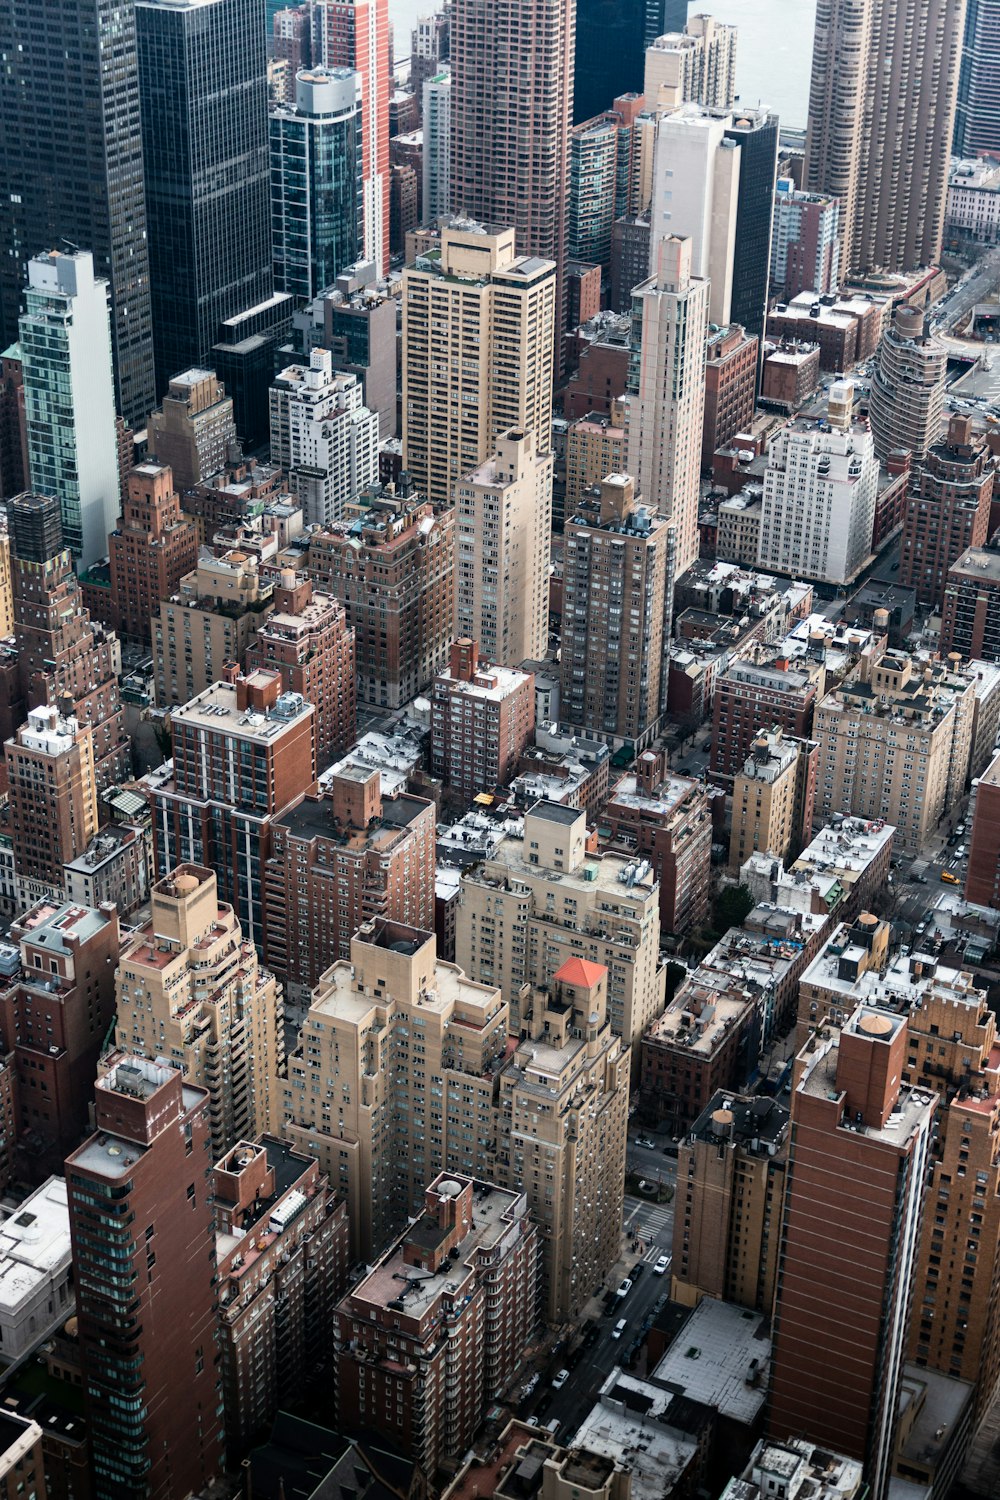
(707, 1039)
(482, 719)
(947, 510)
(14, 471)
(192, 431)
(140, 1192)
(970, 617)
(730, 387)
(404, 195)
(468, 1265)
(232, 496)
(752, 696)
(773, 799)
(601, 360)
(210, 621)
(281, 1243)
(982, 880)
(841, 1309)
(55, 1013)
(595, 447)
(790, 374)
(394, 570)
(337, 861)
(665, 819)
(306, 639)
(730, 1192)
(152, 548)
(22, 1471)
(53, 795)
(835, 333)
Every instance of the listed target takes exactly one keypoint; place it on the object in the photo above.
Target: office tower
(208, 623)
(193, 430)
(203, 97)
(695, 193)
(482, 719)
(338, 859)
(756, 133)
(841, 1320)
(880, 126)
(504, 515)
(666, 399)
(152, 549)
(478, 334)
(616, 578)
(242, 751)
(511, 119)
(246, 355)
(663, 16)
(977, 112)
(276, 1306)
(608, 58)
(323, 436)
(430, 45)
(730, 387)
(910, 785)
(72, 178)
(805, 246)
(69, 398)
(750, 696)
(571, 1162)
(394, 569)
(140, 1191)
(693, 66)
(947, 510)
(773, 799)
(355, 34)
(510, 932)
(394, 1020)
(316, 184)
(359, 326)
(14, 471)
(468, 1263)
(190, 988)
(55, 1013)
(437, 146)
(731, 1175)
(665, 819)
(53, 794)
(906, 403)
(820, 490)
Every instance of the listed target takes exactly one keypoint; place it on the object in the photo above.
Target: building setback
(208, 623)
(53, 795)
(947, 510)
(192, 431)
(152, 548)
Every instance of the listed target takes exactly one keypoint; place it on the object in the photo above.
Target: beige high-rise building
(881, 114)
(211, 620)
(695, 66)
(478, 332)
(570, 1156)
(393, 1078)
(773, 798)
(190, 990)
(194, 428)
(543, 898)
(503, 516)
(595, 447)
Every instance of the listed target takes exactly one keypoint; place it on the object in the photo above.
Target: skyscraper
(437, 146)
(324, 436)
(907, 389)
(695, 193)
(610, 43)
(695, 66)
(947, 510)
(316, 186)
(69, 398)
(152, 548)
(203, 96)
(881, 115)
(69, 172)
(53, 797)
(756, 131)
(977, 114)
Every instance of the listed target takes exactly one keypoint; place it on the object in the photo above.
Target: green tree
(732, 907)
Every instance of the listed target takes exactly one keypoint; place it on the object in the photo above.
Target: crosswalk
(653, 1254)
(648, 1221)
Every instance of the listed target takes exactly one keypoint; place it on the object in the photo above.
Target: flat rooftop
(630, 1425)
(667, 797)
(978, 562)
(58, 928)
(819, 1081)
(712, 1355)
(34, 1245)
(743, 1118)
(215, 709)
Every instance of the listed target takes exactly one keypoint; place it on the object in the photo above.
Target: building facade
(192, 431)
(977, 113)
(154, 546)
(947, 510)
(324, 436)
(805, 248)
(482, 720)
(906, 402)
(773, 799)
(210, 621)
(53, 794)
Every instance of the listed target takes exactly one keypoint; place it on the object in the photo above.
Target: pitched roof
(580, 972)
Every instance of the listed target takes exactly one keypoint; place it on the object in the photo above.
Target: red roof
(581, 973)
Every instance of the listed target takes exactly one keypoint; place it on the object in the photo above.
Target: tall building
(53, 794)
(14, 471)
(773, 799)
(947, 510)
(756, 133)
(592, 190)
(858, 1158)
(478, 337)
(696, 177)
(906, 403)
(153, 1388)
(203, 102)
(977, 111)
(316, 184)
(970, 618)
(210, 622)
(323, 436)
(503, 517)
(666, 399)
(542, 899)
(482, 720)
(880, 126)
(360, 333)
(356, 34)
(152, 548)
(616, 582)
(731, 356)
(69, 397)
(189, 988)
(608, 55)
(755, 694)
(595, 447)
(696, 65)
(512, 85)
(570, 1160)
(74, 175)
(436, 165)
(430, 43)
(805, 245)
(193, 430)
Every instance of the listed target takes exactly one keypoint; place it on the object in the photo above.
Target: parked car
(619, 1328)
(645, 1143)
(560, 1379)
(637, 1270)
(624, 1289)
(961, 851)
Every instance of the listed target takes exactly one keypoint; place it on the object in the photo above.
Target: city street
(966, 293)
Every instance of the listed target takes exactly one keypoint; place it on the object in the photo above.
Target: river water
(773, 52)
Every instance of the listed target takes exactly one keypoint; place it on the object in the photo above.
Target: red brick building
(482, 718)
(153, 547)
(601, 361)
(757, 694)
(667, 820)
(790, 374)
(970, 615)
(707, 1039)
(982, 880)
(730, 387)
(947, 510)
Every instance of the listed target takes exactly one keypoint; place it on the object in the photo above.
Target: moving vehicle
(645, 1143)
(661, 1265)
(949, 878)
(619, 1328)
(560, 1379)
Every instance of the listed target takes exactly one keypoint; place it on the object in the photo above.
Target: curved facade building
(906, 404)
(977, 116)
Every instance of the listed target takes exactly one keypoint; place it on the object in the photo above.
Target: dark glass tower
(662, 16)
(610, 54)
(757, 132)
(977, 113)
(71, 167)
(203, 99)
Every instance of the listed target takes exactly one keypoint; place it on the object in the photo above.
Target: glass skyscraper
(977, 113)
(757, 133)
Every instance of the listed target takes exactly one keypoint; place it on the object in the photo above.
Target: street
(964, 295)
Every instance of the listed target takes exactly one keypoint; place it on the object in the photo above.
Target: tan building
(773, 799)
(393, 1078)
(894, 743)
(730, 1191)
(738, 538)
(6, 585)
(542, 898)
(53, 795)
(190, 990)
(503, 516)
(595, 447)
(570, 1155)
(478, 330)
(213, 619)
(616, 573)
(193, 429)
(695, 66)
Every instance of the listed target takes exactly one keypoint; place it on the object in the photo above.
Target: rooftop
(667, 797)
(58, 929)
(913, 1107)
(712, 1356)
(630, 1424)
(215, 709)
(753, 1121)
(34, 1245)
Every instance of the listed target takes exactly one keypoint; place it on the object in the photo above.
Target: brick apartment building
(947, 510)
(154, 545)
(482, 719)
(970, 616)
(730, 387)
(766, 690)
